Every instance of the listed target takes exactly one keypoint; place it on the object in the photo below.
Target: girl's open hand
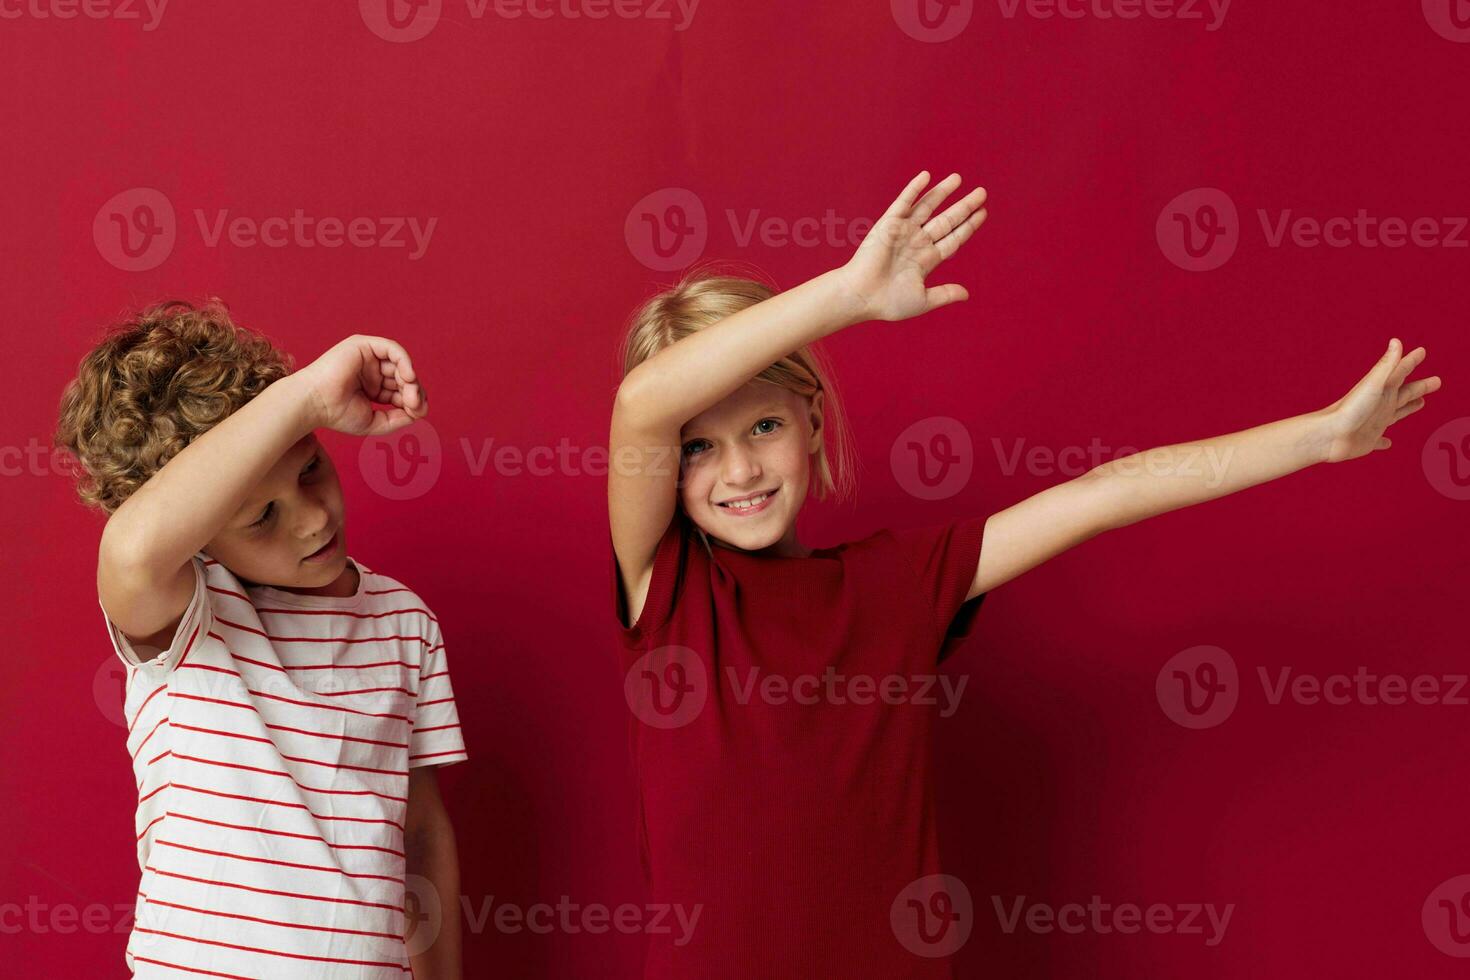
(1356, 421)
(887, 273)
(344, 384)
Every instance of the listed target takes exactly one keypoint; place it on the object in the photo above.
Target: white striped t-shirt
(271, 744)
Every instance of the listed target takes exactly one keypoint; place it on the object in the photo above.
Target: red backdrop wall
(533, 145)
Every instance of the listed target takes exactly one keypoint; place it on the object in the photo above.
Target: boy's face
(291, 531)
(747, 464)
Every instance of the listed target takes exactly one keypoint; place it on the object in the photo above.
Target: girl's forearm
(684, 379)
(182, 507)
(1157, 481)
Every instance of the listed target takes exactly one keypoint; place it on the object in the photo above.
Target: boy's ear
(814, 415)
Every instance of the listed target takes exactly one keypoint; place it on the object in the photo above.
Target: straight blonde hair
(703, 298)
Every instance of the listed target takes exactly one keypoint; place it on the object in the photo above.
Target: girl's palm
(888, 272)
(1378, 401)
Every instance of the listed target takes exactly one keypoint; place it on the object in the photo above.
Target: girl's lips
(327, 550)
(753, 509)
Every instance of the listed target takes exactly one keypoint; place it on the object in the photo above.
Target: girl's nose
(741, 467)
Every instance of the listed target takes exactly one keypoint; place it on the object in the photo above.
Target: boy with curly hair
(286, 705)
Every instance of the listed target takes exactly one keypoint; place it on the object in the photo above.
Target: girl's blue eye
(767, 426)
(695, 447)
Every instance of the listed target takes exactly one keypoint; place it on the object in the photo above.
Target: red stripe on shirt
(281, 833)
(283, 864)
(270, 891)
(285, 803)
(299, 785)
(272, 922)
(269, 952)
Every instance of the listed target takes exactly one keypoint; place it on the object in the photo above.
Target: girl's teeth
(743, 504)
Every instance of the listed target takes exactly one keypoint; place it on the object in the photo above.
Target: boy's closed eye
(270, 508)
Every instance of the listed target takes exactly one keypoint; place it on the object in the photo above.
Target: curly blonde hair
(704, 297)
(154, 384)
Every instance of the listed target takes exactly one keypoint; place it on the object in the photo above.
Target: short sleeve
(663, 584)
(194, 625)
(944, 561)
(436, 739)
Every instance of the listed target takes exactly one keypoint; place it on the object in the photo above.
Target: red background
(1061, 778)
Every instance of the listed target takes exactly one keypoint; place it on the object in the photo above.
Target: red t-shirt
(781, 721)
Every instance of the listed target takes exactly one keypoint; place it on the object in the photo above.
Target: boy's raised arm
(1156, 481)
(143, 576)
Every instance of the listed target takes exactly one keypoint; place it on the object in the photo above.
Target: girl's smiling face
(291, 531)
(746, 466)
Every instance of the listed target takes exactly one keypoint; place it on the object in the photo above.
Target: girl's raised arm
(1132, 488)
(884, 280)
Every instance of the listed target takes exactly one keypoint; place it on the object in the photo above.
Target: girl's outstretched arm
(884, 280)
(1127, 490)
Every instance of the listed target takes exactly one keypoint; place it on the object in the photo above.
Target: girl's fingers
(1383, 370)
(1406, 366)
(910, 194)
(1408, 409)
(1418, 389)
(1384, 443)
(956, 215)
(930, 202)
(938, 296)
(950, 244)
